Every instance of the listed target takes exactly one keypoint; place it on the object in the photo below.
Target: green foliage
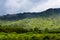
(15, 36)
(37, 25)
(38, 28)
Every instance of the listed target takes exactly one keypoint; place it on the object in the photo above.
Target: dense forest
(31, 25)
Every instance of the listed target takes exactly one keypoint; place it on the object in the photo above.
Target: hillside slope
(47, 19)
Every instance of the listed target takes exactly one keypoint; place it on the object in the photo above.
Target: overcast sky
(16, 6)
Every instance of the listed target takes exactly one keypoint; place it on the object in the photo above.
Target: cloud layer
(16, 6)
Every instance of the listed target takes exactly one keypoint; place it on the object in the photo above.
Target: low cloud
(16, 6)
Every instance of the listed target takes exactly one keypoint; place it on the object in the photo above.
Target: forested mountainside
(31, 25)
(19, 16)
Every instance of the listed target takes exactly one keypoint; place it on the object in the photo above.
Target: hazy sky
(16, 6)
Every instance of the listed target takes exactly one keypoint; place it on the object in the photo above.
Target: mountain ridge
(18, 16)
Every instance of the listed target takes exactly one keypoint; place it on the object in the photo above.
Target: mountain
(47, 19)
(19, 16)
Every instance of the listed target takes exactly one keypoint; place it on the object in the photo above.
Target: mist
(17, 6)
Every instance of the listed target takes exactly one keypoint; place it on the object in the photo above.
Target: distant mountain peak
(19, 16)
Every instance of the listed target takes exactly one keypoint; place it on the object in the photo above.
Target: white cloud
(46, 5)
(15, 6)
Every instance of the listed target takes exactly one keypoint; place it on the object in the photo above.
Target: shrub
(46, 38)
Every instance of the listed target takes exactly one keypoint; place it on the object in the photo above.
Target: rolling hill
(46, 19)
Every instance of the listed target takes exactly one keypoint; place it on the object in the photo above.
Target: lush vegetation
(40, 28)
(43, 26)
(28, 36)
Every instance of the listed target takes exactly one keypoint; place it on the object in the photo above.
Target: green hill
(48, 19)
